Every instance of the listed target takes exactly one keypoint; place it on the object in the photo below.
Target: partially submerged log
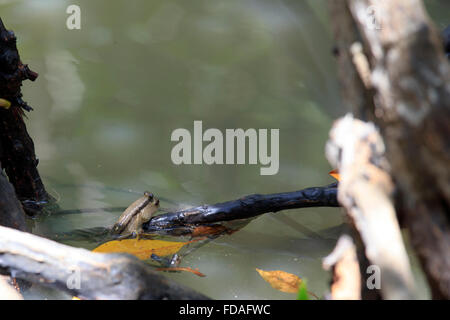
(82, 273)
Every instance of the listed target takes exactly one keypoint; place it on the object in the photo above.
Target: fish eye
(148, 194)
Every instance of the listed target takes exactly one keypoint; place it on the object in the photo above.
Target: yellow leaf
(335, 174)
(5, 103)
(142, 249)
(280, 280)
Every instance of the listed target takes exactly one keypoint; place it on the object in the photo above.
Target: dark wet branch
(215, 219)
(244, 208)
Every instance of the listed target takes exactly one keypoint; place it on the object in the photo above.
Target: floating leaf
(142, 249)
(335, 174)
(285, 282)
(5, 103)
(280, 280)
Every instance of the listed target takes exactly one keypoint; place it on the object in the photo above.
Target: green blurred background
(109, 96)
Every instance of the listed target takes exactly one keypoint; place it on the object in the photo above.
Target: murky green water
(110, 95)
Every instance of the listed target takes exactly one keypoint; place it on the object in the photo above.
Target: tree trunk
(399, 57)
(17, 154)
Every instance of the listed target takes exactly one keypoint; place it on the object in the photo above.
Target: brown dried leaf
(281, 280)
(142, 249)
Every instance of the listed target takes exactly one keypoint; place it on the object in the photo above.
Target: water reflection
(61, 68)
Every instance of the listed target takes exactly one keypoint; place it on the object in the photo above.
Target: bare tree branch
(365, 190)
(244, 208)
